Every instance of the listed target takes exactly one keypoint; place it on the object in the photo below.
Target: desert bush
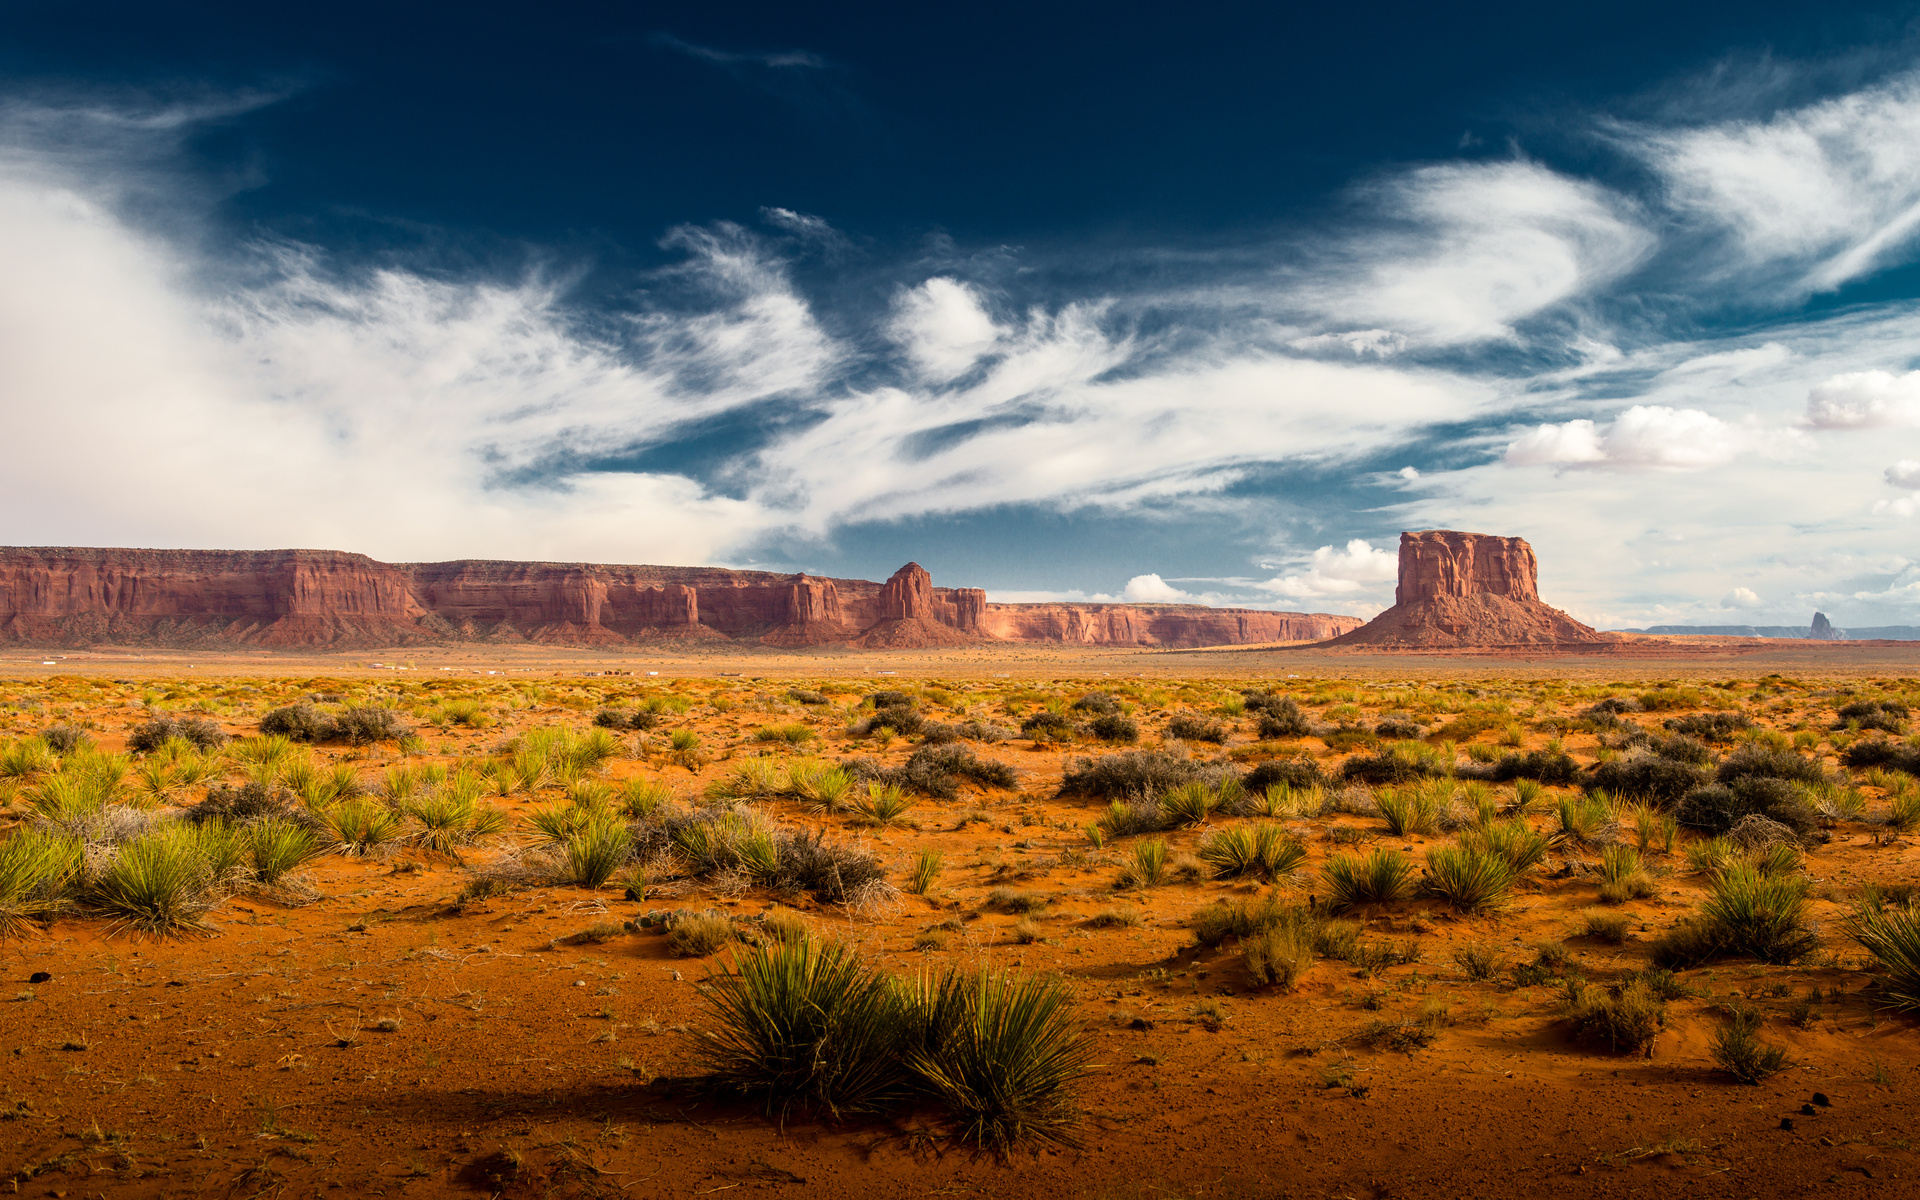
(1480, 962)
(1882, 752)
(36, 865)
(1112, 727)
(1099, 704)
(1401, 762)
(1377, 878)
(360, 826)
(1279, 954)
(1649, 777)
(1613, 706)
(1281, 718)
(899, 715)
(1740, 1052)
(1681, 748)
(64, 739)
(278, 847)
(163, 882)
(698, 934)
(793, 733)
(1748, 915)
(936, 771)
(806, 696)
(1889, 716)
(1709, 726)
(249, 802)
(1585, 820)
(1542, 766)
(1300, 773)
(1717, 807)
(1893, 938)
(149, 736)
(1621, 877)
(1626, 1018)
(938, 732)
(1047, 726)
(836, 872)
(1469, 880)
(1758, 761)
(300, 723)
(1264, 850)
(1136, 774)
(1190, 727)
(1399, 729)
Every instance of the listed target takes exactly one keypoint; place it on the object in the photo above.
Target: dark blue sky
(1062, 298)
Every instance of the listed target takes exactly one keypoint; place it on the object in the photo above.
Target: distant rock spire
(1823, 630)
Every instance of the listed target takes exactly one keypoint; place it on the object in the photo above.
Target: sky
(1066, 301)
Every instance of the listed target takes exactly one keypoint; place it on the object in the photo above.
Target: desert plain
(442, 1013)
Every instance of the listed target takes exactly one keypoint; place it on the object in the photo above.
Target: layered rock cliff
(1470, 591)
(324, 598)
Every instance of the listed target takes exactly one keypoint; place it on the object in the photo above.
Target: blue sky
(1059, 300)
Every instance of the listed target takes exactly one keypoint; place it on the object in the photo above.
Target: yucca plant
(820, 787)
(1407, 810)
(160, 883)
(748, 779)
(803, 1024)
(279, 846)
(155, 780)
(555, 824)
(1621, 878)
(1748, 915)
(531, 770)
(1526, 793)
(1001, 1054)
(1893, 938)
(1469, 880)
(1585, 820)
(1265, 850)
(925, 871)
(1903, 813)
(883, 804)
(596, 850)
(1712, 855)
(63, 796)
(1740, 1052)
(266, 748)
(1149, 865)
(641, 797)
(1187, 804)
(194, 769)
(1513, 840)
(361, 826)
(36, 866)
(1779, 859)
(1279, 954)
(1378, 878)
(441, 819)
(26, 757)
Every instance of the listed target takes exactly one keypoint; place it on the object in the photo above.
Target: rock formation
(1823, 630)
(1469, 591)
(324, 598)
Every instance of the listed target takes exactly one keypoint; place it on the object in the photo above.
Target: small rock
(1139, 1023)
(40, 977)
(1808, 1110)
(1820, 1098)
(1786, 1122)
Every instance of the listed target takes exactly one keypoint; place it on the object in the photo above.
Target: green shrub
(1740, 1052)
(36, 865)
(163, 882)
(1401, 762)
(1748, 915)
(1377, 878)
(1647, 777)
(1469, 880)
(301, 723)
(925, 871)
(279, 846)
(1626, 1018)
(1893, 938)
(1112, 727)
(200, 733)
(1265, 850)
(1190, 727)
(360, 826)
(1149, 865)
(1134, 774)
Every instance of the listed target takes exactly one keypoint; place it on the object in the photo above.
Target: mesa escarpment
(1470, 591)
(325, 598)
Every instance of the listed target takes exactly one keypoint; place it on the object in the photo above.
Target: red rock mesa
(1469, 590)
(326, 598)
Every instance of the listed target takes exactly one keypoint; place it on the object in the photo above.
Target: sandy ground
(254, 1062)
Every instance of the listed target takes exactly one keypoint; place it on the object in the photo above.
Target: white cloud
(1355, 570)
(944, 327)
(1644, 437)
(1828, 192)
(1471, 249)
(1865, 400)
(1151, 589)
(1904, 474)
(1741, 597)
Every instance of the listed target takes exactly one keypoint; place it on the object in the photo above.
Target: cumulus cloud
(944, 327)
(1356, 569)
(1644, 437)
(1828, 192)
(1865, 400)
(1741, 597)
(1151, 589)
(1904, 474)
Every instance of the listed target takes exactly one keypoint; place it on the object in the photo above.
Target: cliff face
(296, 598)
(1470, 591)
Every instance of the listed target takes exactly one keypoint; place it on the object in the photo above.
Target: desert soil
(384, 1039)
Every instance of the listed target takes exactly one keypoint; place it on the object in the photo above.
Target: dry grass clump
(698, 934)
(1621, 877)
(1748, 915)
(1740, 1052)
(1625, 1017)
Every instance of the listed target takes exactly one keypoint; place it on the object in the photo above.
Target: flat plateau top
(1640, 658)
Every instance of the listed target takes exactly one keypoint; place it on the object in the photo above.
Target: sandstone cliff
(1470, 591)
(316, 598)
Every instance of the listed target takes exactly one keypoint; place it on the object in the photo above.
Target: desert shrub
(1748, 915)
(149, 736)
(1115, 728)
(1649, 777)
(1279, 954)
(1377, 878)
(1893, 938)
(1585, 820)
(163, 882)
(64, 739)
(1191, 727)
(1135, 774)
(1399, 729)
(1740, 1052)
(1282, 718)
(1097, 703)
(1625, 1018)
(698, 934)
(1609, 927)
(1621, 877)
(1125, 818)
(278, 847)
(836, 872)
(806, 1024)
(1613, 706)
(1758, 761)
(1469, 880)
(1300, 773)
(251, 801)
(1889, 716)
(1480, 962)
(1047, 726)
(1681, 748)
(1264, 850)
(1400, 762)
(890, 698)
(936, 771)
(360, 826)
(806, 696)
(937, 732)
(614, 718)
(1408, 810)
(1881, 752)
(1543, 766)
(1709, 727)
(904, 719)
(794, 733)
(35, 868)
(300, 723)
(1717, 807)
